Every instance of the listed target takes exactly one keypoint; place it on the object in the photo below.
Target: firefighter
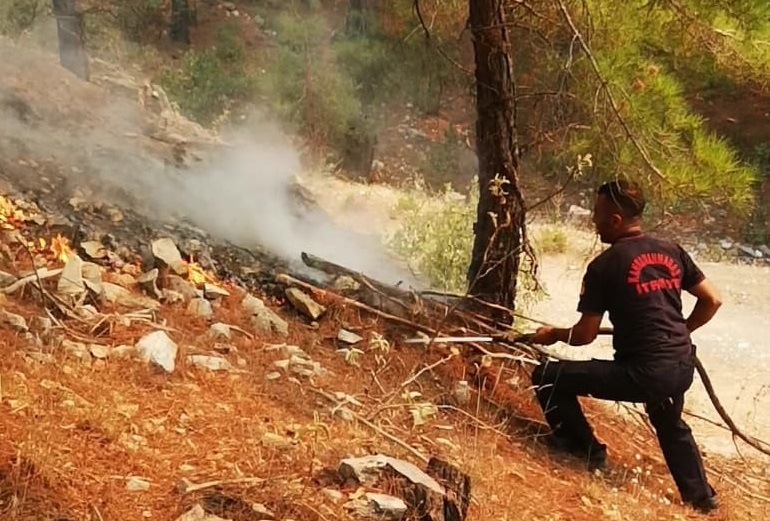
(638, 281)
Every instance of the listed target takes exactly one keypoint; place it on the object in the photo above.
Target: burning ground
(155, 370)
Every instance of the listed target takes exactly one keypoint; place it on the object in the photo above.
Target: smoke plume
(241, 193)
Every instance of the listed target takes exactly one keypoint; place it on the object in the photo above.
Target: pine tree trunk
(181, 19)
(72, 40)
(499, 226)
(355, 20)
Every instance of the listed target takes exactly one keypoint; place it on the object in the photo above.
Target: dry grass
(73, 434)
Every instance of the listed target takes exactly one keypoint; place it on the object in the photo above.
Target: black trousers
(661, 388)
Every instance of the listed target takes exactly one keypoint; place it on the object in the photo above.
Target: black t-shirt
(639, 281)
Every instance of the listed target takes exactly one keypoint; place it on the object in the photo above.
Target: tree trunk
(356, 18)
(181, 19)
(499, 227)
(72, 40)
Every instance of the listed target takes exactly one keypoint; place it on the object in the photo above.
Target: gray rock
(148, 282)
(212, 363)
(41, 325)
(369, 469)
(120, 295)
(220, 331)
(578, 212)
(76, 349)
(171, 297)
(462, 393)
(765, 250)
(158, 348)
(378, 506)
(212, 291)
(92, 276)
(747, 251)
(726, 244)
(273, 375)
(251, 304)
(304, 303)
(348, 337)
(71, 280)
(183, 286)
(264, 513)
(166, 251)
(200, 307)
(270, 439)
(135, 484)
(197, 513)
(94, 249)
(262, 318)
(99, 351)
(13, 321)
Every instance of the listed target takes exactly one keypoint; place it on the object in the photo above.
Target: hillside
(158, 366)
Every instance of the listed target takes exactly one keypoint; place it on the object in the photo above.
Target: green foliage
(436, 239)
(551, 239)
(306, 87)
(640, 54)
(209, 81)
(18, 16)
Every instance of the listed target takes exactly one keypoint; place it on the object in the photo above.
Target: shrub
(18, 16)
(207, 82)
(436, 239)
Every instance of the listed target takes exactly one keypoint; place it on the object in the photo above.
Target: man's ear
(616, 219)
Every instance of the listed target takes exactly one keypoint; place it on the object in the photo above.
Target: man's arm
(583, 332)
(706, 306)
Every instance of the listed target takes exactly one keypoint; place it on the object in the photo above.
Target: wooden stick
(39, 274)
(185, 486)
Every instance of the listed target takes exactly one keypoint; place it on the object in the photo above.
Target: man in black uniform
(638, 280)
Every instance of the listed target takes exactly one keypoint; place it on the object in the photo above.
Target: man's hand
(545, 336)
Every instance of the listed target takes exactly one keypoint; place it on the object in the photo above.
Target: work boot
(706, 504)
(595, 455)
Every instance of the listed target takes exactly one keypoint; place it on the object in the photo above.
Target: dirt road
(734, 346)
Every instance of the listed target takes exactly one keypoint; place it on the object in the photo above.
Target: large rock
(264, 319)
(304, 303)
(71, 281)
(13, 321)
(377, 506)
(183, 286)
(149, 283)
(158, 348)
(425, 496)
(166, 251)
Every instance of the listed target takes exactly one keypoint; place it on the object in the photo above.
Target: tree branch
(604, 86)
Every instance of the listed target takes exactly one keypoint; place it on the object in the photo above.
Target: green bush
(18, 16)
(305, 86)
(436, 239)
(209, 81)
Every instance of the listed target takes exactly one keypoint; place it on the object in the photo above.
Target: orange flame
(60, 247)
(196, 274)
(10, 216)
